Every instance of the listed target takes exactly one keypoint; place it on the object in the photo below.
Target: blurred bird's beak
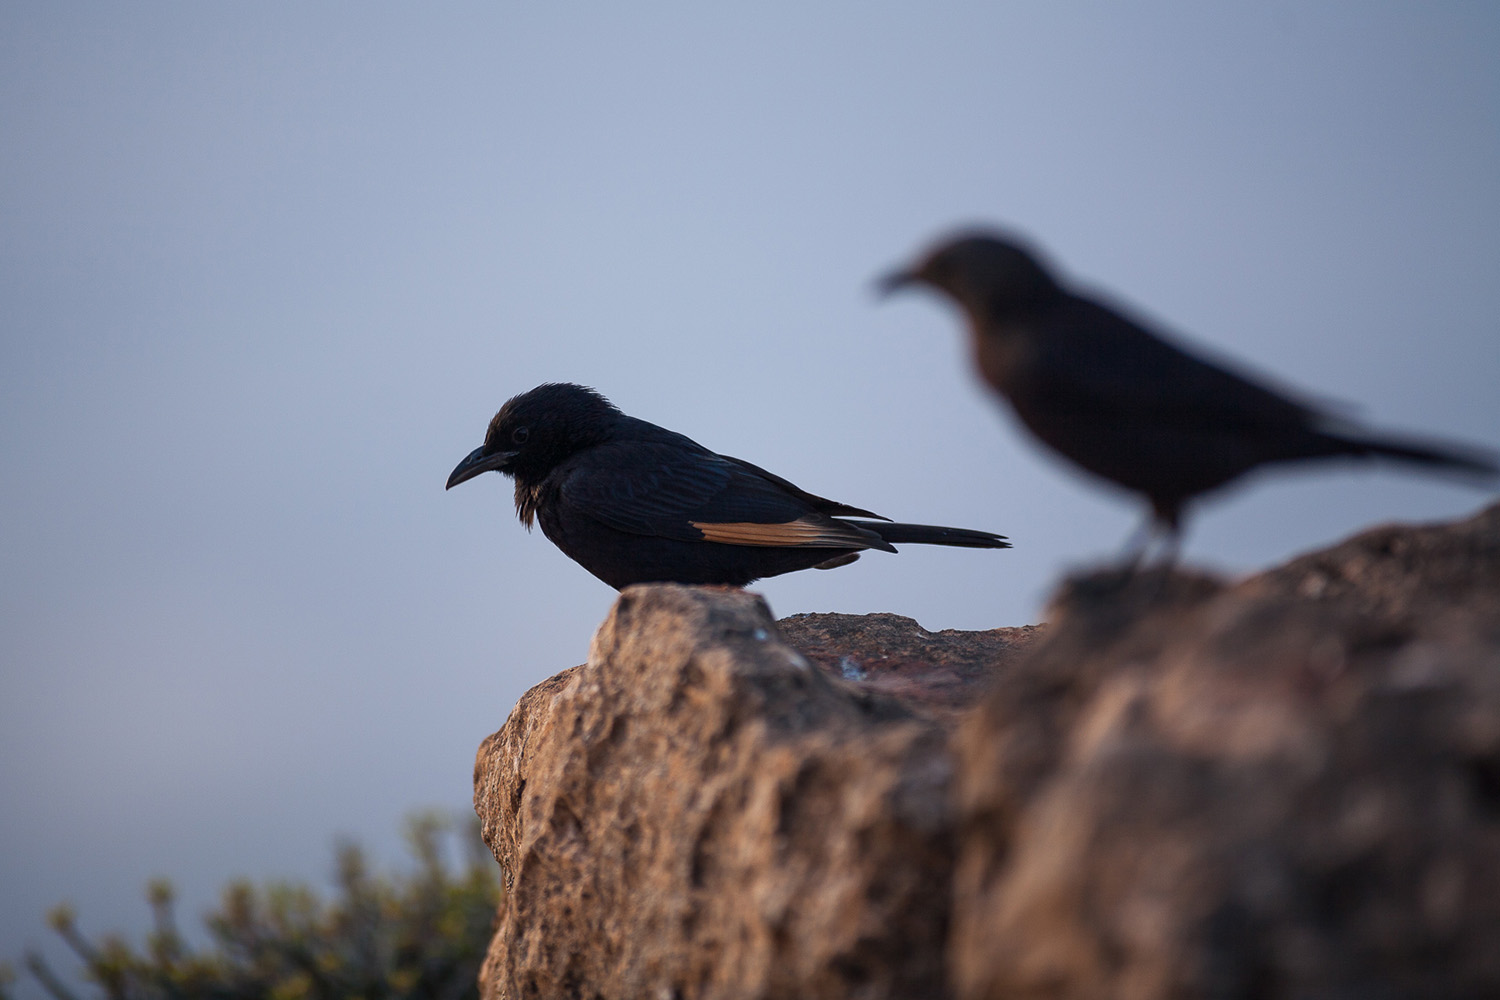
(895, 281)
(478, 462)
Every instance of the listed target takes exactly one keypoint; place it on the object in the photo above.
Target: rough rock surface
(934, 673)
(1284, 787)
(700, 811)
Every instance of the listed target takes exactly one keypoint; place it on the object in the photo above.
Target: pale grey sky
(267, 269)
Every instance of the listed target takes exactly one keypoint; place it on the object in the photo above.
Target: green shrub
(420, 936)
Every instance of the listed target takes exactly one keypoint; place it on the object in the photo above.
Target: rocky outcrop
(1285, 787)
(703, 810)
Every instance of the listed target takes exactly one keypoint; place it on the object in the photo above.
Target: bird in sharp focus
(1107, 392)
(632, 502)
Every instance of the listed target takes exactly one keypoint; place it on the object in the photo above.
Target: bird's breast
(1001, 357)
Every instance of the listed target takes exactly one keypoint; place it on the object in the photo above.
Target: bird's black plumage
(632, 502)
(1105, 391)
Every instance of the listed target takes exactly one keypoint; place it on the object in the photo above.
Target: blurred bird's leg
(1167, 520)
(1137, 545)
(1161, 531)
(1171, 547)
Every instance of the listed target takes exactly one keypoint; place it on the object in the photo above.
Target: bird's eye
(520, 434)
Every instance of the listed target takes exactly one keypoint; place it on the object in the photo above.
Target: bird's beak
(895, 281)
(477, 462)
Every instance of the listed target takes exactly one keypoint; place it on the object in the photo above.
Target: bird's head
(537, 430)
(985, 273)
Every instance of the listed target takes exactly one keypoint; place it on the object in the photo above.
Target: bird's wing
(666, 490)
(821, 504)
(1096, 359)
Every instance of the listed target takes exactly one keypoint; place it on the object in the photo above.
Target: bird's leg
(1171, 547)
(1166, 522)
(1137, 545)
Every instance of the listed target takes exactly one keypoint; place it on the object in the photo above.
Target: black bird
(1110, 394)
(632, 502)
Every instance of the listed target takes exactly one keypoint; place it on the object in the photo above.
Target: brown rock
(1182, 787)
(935, 673)
(701, 812)
(1285, 788)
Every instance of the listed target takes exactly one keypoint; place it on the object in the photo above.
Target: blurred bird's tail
(1468, 462)
(931, 534)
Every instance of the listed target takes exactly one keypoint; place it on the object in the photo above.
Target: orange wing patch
(801, 533)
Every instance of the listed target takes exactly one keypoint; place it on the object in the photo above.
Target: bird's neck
(1011, 310)
(528, 497)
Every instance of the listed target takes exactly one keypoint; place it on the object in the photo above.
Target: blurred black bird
(1108, 393)
(632, 502)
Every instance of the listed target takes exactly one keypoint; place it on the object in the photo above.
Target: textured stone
(701, 811)
(935, 673)
(1284, 788)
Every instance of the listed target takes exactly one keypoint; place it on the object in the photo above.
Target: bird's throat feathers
(527, 499)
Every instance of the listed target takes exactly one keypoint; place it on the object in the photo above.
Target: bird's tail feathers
(931, 534)
(1463, 460)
